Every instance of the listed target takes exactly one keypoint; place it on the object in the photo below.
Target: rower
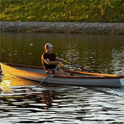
(49, 61)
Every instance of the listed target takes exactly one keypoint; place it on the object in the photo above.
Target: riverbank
(63, 27)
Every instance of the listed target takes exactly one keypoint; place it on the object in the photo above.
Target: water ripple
(61, 104)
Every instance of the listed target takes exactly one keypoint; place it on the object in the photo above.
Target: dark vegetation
(62, 10)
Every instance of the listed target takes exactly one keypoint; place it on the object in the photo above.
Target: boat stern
(122, 81)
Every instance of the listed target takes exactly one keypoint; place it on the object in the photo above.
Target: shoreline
(63, 27)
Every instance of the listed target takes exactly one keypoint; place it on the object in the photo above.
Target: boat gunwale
(89, 77)
(9, 65)
(71, 72)
(19, 65)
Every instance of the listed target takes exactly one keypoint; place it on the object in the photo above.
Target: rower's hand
(61, 59)
(59, 62)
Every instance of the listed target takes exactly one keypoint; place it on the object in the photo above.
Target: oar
(49, 74)
(44, 80)
(77, 66)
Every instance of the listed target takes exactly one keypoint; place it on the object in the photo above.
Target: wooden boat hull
(77, 78)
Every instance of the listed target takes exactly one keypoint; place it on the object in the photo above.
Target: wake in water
(112, 91)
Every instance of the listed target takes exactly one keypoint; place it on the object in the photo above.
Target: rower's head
(48, 47)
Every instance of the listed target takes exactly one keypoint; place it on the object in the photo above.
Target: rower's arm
(47, 61)
(59, 59)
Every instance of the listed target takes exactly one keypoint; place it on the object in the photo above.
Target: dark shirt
(51, 57)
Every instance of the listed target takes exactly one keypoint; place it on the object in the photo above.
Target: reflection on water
(62, 104)
(59, 103)
(117, 61)
(11, 81)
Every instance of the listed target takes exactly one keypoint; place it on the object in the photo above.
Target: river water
(62, 104)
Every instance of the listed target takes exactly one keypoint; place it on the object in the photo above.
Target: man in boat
(50, 60)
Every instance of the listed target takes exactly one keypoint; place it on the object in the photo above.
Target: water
(96, 52)
(62, 104)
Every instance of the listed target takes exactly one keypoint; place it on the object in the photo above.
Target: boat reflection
(11, 81)
(20, 89)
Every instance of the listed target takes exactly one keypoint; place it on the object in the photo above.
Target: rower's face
(49, 49)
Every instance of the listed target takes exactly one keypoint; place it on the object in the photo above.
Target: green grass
(62, 10)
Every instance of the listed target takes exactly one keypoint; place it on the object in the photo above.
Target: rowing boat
(36, 73)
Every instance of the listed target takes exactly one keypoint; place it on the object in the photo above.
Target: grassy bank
(62, 10)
